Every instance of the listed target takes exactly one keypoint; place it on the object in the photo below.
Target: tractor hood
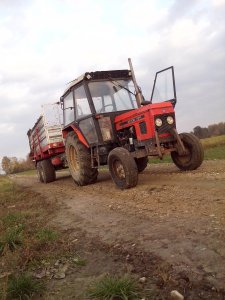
(156, 109)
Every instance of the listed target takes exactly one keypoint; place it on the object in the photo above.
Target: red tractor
(108, 121)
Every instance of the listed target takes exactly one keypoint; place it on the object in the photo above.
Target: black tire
(46, 171)
(39, 172)
(79, 161)
(141, 163)
(195, 153)
(123, 168)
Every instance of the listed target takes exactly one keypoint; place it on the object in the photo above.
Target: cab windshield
(112, 95)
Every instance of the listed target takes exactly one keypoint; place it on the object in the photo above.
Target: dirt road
(176, 216)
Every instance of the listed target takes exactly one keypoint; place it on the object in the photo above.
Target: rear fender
(78, 133)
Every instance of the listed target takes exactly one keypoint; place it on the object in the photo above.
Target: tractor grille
(165, 128)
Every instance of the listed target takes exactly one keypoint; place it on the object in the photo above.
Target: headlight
(158, 122)
(170, 120)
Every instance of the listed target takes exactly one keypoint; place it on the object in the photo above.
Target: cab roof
(98, 75)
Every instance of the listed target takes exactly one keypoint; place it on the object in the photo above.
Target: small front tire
(194, 153)
(123, 168)
(141, 163)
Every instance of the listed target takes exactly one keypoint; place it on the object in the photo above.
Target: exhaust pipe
(138, 94)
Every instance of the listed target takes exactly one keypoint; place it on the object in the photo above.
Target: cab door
(164, 88)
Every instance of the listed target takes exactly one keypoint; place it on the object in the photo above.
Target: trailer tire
(79, 161)
(123, 168)
(195, 153)
(46, 171)
(39, 171)
(141, 163)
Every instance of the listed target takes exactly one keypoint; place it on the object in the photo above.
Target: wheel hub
(119, 169)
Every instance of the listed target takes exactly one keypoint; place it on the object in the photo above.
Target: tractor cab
(91, 102)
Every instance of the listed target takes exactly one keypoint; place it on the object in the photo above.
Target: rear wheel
(46, 171)
(79, 161)
(141, 163)
(123, 168)
(194, 153)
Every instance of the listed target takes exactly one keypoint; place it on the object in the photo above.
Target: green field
(214, 148)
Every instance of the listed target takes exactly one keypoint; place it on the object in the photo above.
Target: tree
(11, 165)
(201, 133)
(6, 165)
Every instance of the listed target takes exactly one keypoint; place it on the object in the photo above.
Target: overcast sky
(44, 44)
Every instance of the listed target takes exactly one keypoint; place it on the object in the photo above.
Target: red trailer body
(47, 143)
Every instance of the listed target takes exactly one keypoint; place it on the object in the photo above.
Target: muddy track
(177, 216)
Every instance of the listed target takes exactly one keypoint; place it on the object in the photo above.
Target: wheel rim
(73, 157)
(118, 169)
(184, 159)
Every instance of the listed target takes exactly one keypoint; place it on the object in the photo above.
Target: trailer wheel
(46, 171)
(123, 168)
(195, 153)
(141, 163)
(40, 172)
(79, 161)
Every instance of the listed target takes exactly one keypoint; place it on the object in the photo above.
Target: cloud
(45, 46)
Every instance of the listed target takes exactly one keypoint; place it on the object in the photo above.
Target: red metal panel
(147, 114)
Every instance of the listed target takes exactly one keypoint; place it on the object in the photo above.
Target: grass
(12, 238)
(22, 287)
(12, 219)
(166, 159)
(214, 147)
(46, 235)
(22, 236)
(213, 141)
(217, 152)
(114, 287)
(27, 173)
(7, 190)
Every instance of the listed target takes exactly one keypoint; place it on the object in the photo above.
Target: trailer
(47, 148)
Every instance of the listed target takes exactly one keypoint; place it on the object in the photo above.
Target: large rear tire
(123, 168)
(141, 163)
(79, 161)
(46, 171)
(194, 156)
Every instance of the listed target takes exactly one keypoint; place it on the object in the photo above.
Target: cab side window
(68, 109)
(81, 103)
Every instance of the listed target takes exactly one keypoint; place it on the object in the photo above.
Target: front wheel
(194, 153)
(141, 163)
(123, 168)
